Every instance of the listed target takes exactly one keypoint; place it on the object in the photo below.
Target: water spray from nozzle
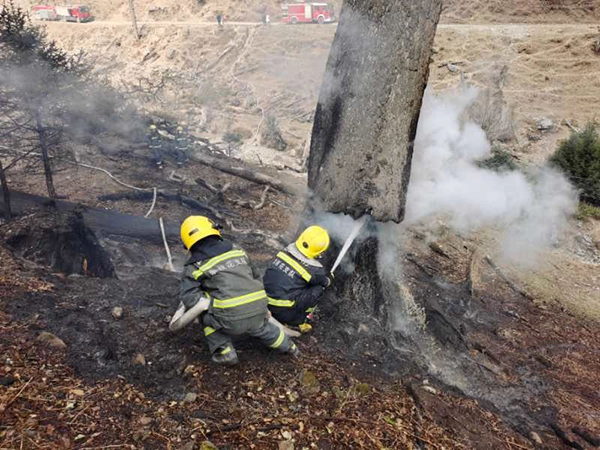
(358, 225)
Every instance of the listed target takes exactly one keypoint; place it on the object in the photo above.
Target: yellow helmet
(196, 228)
(152, 127)
(180, 128)
(313, 241)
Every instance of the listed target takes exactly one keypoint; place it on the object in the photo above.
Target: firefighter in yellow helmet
(181, 145)
(295, 279)
(222, 275)
(155, 144)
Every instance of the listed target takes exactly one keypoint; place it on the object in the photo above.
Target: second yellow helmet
(313, 241)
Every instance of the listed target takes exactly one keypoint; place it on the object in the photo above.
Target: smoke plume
(447, 184)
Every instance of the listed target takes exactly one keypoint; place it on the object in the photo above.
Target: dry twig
(18, 394)
(263, 198)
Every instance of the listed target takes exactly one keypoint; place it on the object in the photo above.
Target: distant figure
(267, 19)
(181, 145)
(220, 20)
(155, 144)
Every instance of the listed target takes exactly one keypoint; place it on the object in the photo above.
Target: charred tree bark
(41, 131)
(366, 118)
(5, 194)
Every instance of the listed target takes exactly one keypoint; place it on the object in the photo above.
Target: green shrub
(579, 158)
(587, 211)
(271, 134)
(232, 137)
(500, 161)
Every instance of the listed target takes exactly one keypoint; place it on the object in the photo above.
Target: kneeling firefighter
(295, 279)
(220, 283)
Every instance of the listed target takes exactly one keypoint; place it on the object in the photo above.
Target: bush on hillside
(500, 161)
(271, 135)
(579, 158)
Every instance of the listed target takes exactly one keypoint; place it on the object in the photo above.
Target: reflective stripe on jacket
(154, 141)
(294, 284)
(181, 143)
(225, 274)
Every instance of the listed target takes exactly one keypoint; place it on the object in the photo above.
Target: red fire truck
(308, 13)
(65, 13)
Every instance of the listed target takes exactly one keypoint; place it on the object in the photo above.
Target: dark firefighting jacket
(294, 284)
(154, 140)
(223, 273)
(181, 142)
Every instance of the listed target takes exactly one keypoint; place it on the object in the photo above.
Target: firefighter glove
(328, 280)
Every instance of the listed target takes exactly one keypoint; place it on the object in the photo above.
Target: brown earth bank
(455, 11)
(516, 11)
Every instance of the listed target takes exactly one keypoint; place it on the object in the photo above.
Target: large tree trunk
(366, 118)
(41, 131)
(5, 194)
(389, 309)
(360, 160)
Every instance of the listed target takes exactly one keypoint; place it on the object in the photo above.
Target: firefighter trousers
(219, 333)
(157, 155)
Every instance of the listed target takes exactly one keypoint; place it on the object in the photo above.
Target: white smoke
(446, 183)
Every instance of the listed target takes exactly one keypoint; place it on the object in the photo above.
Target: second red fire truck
(308, 13)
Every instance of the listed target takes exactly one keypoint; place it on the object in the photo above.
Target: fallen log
(100, 220)
(248, 173)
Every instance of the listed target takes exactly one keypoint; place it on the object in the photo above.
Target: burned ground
(532, 366)
(93, 393)
(482, 336)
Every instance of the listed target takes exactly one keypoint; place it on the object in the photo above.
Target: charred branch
(171, 197)
(45, 158)
(5, 194)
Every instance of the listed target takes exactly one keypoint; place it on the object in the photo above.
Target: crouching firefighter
(220, 285)
(295, 279)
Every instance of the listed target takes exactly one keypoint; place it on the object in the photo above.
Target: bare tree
(360, 160)
(136, 30)
(5, 194)
(36, 82)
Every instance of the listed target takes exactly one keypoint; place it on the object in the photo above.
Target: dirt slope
(455, 11)
(230, 80)
(521, 11)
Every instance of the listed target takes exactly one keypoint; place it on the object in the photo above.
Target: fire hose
(183, 317)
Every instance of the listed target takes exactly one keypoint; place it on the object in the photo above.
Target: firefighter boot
(305, 328)
(294, 351)
(226, 356)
